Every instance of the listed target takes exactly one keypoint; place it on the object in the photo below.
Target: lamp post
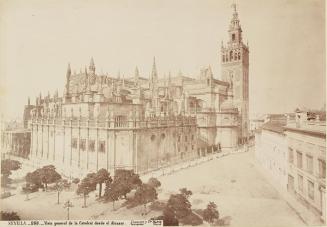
(67, 205)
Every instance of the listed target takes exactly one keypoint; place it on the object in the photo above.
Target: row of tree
(118, 187)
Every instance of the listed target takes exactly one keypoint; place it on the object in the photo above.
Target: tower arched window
(223, 58)
(235, 56)
(231, 55)
(239, 55)
(233, 37)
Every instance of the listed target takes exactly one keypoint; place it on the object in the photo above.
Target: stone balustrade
(105, 123)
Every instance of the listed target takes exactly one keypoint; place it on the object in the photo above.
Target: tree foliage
(144, 194)
(127, 181)
(87, 185)
(210, 214)
(60, 186)
(154, 182)
(43, 176)
(179, 205)
(7, 166)
(168, 218)
(102, 176)
(49, 175)
(9, 216)
(185, 192)
(124, 182)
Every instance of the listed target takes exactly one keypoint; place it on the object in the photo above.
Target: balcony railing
(105, 123)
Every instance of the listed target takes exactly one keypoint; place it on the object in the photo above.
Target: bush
(154, 182)
(210, 214)
(8, 216)
(191, 219)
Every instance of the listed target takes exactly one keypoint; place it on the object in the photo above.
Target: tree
(102, 176)
(7, 166)
(87, 185)
(168, 218)
(145, 194)
(33, 178)
(49, 175)
(154, 182)
(185, 192)
(9, 216)
(127, 180)
(113, 191)
(43, 176)
(60, 186)
(210, 214)
(180, 205)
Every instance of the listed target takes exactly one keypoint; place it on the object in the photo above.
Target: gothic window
(239, 55)
(102, 145)
(233, 37)
(163, 136)
(223, 58)
(153, 137)
(82, 144)
(231, 55)
(74, 143)
(91, 145)
(235, 56)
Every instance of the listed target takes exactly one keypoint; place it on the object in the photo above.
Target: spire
(154, 75)
(69, 71)
(136, 76)
(169, 79)
(235, 30)
(118, 75)
(28, 101)
(123, 80)
(92, 66)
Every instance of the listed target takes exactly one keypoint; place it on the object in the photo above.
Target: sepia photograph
(163, 113)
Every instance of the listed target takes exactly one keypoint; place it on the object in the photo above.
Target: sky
(39, 37)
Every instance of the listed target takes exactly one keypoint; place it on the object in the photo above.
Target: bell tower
(235, 70)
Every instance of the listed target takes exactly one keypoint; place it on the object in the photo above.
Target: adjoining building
(142, 123)
(292, 148)
(306, 138)
(271, 149)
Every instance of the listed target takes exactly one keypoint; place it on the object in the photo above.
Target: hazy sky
(286, 39)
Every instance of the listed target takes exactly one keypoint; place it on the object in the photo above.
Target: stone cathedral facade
(142, 122)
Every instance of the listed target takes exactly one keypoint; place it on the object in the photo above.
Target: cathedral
(143, 122)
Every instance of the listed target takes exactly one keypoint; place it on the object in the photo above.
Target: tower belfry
(235, 70)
